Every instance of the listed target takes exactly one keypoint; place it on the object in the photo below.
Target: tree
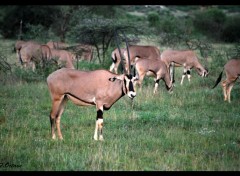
(99, 32)
(62, 19)
(33, 15)
(210, 22)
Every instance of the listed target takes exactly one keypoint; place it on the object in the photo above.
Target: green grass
(190, 129)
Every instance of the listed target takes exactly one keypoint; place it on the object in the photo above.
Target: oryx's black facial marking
(188, 72)
(99, 114)
(130, 84)
(129, 76)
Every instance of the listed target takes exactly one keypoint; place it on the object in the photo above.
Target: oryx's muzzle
(205, 73)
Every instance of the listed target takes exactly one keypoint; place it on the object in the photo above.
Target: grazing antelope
(32, 53)
(101, 88)
(156, 68)
(57, 45)
(145, 52)
(17, 48)
(232, 71)
(87, 51)
(18, 45)
(183, 58)
(64, 58)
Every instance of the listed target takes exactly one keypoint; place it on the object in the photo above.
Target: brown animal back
(233, 66)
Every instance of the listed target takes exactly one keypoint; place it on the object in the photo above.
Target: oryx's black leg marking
(99, 125)
(99, 114)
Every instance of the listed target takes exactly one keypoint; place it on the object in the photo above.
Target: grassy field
(190, 129)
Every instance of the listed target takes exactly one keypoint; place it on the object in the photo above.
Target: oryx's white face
(129, 80)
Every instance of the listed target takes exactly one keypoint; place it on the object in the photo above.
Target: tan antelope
(85, 50)
(183, 58)
(116, 58)
(232, 71)
(32, 53)
(57, 45)
(145, 52)
(155, 68)
(17, 48)
(19, 44)
(46, 54)
(101, 88)
(64, 58)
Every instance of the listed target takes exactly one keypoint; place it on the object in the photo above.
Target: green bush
(153, 19)
(210, 22)
(38, 33)
(231, 29)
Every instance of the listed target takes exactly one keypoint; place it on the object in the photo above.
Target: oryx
(85, 50)
(156, 68)
(64, 58)
(32, 53)
(18, 46)
(232, 71)
(183, 58)
(57, 45)
(101, 88)
(145, 52)
(116, 59)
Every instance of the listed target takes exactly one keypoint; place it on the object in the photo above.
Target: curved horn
(120, 53)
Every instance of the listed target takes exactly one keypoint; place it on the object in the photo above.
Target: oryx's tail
(218, 80)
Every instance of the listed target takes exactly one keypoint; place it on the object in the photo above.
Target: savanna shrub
(153, 19)
(210, 22)
(231, 29)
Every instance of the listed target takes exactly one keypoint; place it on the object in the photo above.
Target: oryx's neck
(116, 91)
(198, 65)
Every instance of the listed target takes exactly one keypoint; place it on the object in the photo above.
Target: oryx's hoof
(101, 138)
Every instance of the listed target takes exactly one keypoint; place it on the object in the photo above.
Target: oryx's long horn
(119, 50)
(127, 47)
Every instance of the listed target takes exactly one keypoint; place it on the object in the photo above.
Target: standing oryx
(185, 58)
(232, 71)
(101, 88)
(145, 52)
(156, 68)
(63, 58)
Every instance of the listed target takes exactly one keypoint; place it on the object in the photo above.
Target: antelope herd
(30, 53)
(103, 88)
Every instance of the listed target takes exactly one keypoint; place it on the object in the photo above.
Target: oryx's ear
(120, 77)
